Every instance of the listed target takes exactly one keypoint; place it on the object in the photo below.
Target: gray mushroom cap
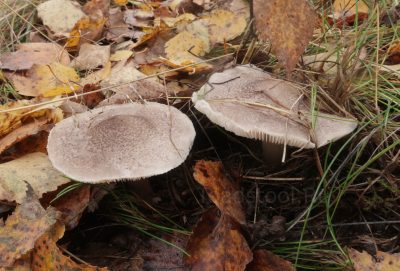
(130, 141)
(251, 103)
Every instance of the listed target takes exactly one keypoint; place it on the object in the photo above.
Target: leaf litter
(107, 52)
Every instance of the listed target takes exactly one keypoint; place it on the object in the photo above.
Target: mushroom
(130, 141)
(251, 103)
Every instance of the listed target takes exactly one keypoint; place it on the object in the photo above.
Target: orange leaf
(86, 30)
(264, 260)
(217, 245)
(222, 191)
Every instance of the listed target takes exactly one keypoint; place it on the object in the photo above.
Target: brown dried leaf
(91, 56)
(264, 260)
(217, 245)
(21, 230)
(117, 29)
(37, 172)
(288, 25)
(384, 261)
(124, 79)
(23, 132)
(92, 6)
(29, 54)
(222, 191)
(72, 205)
(394, 53)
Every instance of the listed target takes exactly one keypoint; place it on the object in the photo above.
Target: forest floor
(310, 210)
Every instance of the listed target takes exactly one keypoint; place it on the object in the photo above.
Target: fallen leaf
(121, 55)
(23, 132)
(206, 4)
(222, 191)
(238, 7)
(23, 227)
(13, 119)
(124, 80)
(86, 30)
(154, 50)
(72, 205)
(47, 255)
(224, 25)
(179, 21)
(139, 17)
(33, 143)
(217, 245)
(70, 108)
(264, 260)
(97, 76)
(394, 53)
(21, 264)
(348, 8)
(90, 100)
(37, 172)
(28, 54)
(60, 16)
(382, 262)
(120, 2)
(153, 69)
(45, 80)
(188, 43)
(91, 56)
(288, 25)
(117, 29)
(92, 6)
(185, 49)
(347, 12)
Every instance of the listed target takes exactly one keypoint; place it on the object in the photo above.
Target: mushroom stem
(272, 153)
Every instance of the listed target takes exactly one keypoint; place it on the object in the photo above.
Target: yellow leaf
(86, 30)
(224, 25)
(121, 2)
(37, 171)
(97, 76)
(60, 80)
(121, 55)
(183, 50)
(11, 120)
(186, 42)
(46, 80)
